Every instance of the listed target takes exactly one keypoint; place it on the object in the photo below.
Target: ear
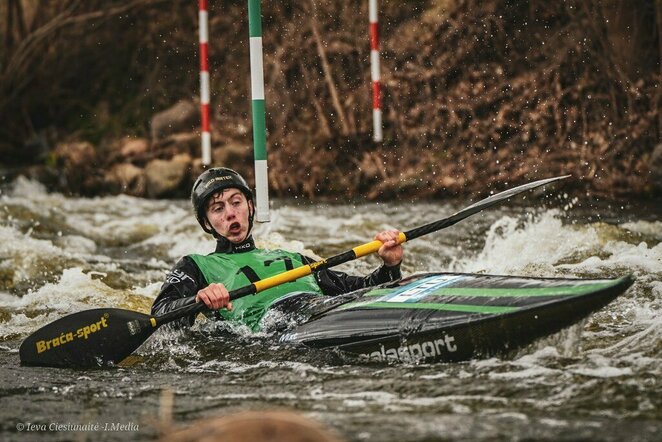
(207, 225)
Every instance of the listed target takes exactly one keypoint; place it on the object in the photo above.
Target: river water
(599, 380)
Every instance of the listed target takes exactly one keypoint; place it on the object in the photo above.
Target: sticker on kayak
(422, 288)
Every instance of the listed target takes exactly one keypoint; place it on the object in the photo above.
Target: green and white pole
(259, 119)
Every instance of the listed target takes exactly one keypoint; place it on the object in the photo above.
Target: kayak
(428, 317)
(448, 317)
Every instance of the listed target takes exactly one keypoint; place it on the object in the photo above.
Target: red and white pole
(374, 72)
(204, 82)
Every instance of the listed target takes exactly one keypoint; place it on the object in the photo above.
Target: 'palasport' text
(414, 352)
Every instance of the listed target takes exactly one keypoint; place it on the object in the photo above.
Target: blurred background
(474, 94)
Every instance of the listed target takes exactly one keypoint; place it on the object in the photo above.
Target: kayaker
(224, 207)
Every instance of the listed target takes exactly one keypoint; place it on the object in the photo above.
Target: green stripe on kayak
(510, 292)
(379, 292)
(486, 309)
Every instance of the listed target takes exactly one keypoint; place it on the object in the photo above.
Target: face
(227, 214)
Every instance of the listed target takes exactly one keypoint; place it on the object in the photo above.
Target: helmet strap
(251, 215)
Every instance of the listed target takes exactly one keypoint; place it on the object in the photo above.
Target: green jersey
(241, 269)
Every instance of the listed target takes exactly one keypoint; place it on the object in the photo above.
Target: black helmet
(212, 181)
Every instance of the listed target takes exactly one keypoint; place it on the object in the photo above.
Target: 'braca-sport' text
(414, 352)
(81, 333)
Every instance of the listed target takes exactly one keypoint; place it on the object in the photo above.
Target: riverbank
(167, 169)
(475, 96)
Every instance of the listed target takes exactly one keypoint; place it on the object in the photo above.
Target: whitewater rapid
(596, 380)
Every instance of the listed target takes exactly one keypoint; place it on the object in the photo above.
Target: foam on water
(533, 247)
(639, 259)
(23, 255)
(337, 225)
(278, 241)
(647, 228)
(116, 221)
(545, 246)
(74, 291)
(604, 372)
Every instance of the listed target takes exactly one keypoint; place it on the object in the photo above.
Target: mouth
(235, 228)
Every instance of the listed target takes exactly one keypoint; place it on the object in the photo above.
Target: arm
(179, 289)
(335, 283)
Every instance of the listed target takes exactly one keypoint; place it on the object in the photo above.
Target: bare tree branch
(15, 75)
(328, 76)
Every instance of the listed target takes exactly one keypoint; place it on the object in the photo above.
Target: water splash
(544, 245)
(532, 247)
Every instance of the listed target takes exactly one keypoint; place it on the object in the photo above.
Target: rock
(182, 117)
(36, 147)
(74, 155)
(131, 147)
(164, 177)
(232, 154)
(127, 178)
(76, 165)
(184, 142)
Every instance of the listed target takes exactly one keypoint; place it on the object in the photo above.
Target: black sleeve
(335, 283)
(181, 284)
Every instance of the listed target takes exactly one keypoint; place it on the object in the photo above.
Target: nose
(230, 212)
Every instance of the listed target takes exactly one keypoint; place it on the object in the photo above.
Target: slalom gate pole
(258, 111)
(375, 72)
(203, 20)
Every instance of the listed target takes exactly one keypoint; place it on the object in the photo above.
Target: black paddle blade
(92, 338)
(477, 207)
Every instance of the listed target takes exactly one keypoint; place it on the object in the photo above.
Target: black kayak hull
(443, 317)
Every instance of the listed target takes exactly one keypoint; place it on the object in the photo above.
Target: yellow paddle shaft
(373, 246)
(300, 272)
(282, 278)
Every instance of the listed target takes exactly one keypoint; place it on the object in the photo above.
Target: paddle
(105, 336)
